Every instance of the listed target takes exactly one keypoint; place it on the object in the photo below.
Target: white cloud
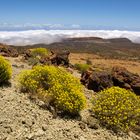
(50, 36)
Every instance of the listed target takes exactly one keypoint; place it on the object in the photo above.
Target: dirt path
(22, 119)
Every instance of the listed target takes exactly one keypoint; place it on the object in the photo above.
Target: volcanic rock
(7, 51)
(119, 76)
(60, 58)
(97, 81)
(123, 78)
(27, 54)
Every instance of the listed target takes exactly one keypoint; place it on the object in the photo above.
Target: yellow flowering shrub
(28, 81)
(5, 70)
(117, 107)
(82, 67)
(39, 52)
(64, 90)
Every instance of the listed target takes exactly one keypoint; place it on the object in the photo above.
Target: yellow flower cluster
(39, 52)
(117, 107)
(36, 55)
(28, 81)
(5, 70)
(50, 82)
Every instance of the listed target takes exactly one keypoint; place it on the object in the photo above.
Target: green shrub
(39, 52)
(5, 70)
(49, 82)
(117, 108)
(82, 67)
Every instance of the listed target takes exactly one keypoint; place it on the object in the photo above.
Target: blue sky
(108, 14)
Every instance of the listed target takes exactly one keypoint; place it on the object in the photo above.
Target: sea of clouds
(50, 36)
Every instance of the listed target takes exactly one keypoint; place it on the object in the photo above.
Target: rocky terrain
(8, 51)
(118, 76)
(25, 119)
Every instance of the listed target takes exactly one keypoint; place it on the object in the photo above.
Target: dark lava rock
(119, 76)
(61, 58)
(123, 78)
(27, 54)
(97, 81)
(7, 51)
(57, 58)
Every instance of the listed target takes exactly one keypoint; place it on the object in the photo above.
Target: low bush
(5, 70)
(36, 55)
(50, 82)
(117, 108)
(27, 81)
(82, 67)
(39, 52)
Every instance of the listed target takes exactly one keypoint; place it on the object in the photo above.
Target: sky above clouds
(70, 14)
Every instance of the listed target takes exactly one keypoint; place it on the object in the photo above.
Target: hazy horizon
(31, 37)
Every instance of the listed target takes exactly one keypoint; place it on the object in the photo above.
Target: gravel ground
(23, 119)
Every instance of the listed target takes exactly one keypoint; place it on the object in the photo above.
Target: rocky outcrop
(8, 51)
(123, 78)
(56, 58)
(119, 76)
(61, 58)
(27, 54)
(97, 81)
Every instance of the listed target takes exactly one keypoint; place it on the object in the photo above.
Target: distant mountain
(121, 48)
(120, 40)
(99, 40)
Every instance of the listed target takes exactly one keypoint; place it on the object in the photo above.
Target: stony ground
(23, 119)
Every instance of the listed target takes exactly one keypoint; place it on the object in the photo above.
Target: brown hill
(121, 48)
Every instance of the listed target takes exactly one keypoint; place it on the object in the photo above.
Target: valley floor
(99, 62)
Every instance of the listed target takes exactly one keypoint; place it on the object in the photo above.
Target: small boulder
(27, 54)
(97, 81)
(60, 58)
